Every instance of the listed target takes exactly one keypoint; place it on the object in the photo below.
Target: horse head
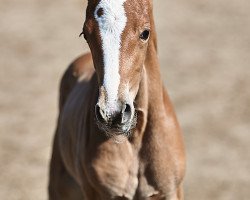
(118, 36)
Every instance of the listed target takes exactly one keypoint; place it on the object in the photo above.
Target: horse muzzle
(117, 117)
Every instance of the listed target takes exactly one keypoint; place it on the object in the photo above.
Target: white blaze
(111, 23)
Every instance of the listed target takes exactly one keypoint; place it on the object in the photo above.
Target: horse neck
(149, 101)
(154, 84)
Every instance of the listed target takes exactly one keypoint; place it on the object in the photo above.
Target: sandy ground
(204, 52)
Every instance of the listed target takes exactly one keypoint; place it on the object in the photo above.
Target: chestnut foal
(117, 135)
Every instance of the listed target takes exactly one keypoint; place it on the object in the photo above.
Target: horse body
(86, 164)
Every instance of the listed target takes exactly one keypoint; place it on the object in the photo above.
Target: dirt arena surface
(204, 49)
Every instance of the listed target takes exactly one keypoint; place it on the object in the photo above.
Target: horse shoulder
(175, 143)
(162, 152)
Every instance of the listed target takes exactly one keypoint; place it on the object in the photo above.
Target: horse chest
(120, 174)
(113, 170)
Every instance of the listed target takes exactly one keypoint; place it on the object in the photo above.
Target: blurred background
(204, 49)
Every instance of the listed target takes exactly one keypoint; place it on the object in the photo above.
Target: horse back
(80, 69)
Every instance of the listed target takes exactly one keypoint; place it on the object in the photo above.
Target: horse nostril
(100, 114)
(126, 114)
(127, 108)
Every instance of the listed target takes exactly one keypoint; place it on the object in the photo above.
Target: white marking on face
(111, 23)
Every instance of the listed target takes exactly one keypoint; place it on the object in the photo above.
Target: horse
(117, 134)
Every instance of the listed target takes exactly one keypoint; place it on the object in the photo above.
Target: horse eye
(144, 35)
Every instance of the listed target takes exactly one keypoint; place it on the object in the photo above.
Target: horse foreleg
(61, 185)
